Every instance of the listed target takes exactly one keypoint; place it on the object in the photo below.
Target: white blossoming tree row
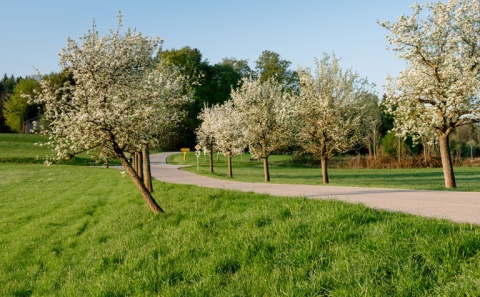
(323, 116)
(120, 103)
(439, 90)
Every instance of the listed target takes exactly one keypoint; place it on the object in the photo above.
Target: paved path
(456, 206)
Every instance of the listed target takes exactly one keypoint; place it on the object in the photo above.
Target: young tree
(228, 134)
(329, 110)
(206, 132)
(119, 102)
(270, 66)
(440, 87)
(17, 109)
(6, 88)
(372, 124)
(265, 112)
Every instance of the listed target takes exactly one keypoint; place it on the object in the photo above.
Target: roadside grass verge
(80, 231)
(282, 170)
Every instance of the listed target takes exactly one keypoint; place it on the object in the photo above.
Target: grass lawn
(283, 171)
(80, 231)
(85, 231)
(23, 148)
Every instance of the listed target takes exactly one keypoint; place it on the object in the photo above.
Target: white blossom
(439, 90)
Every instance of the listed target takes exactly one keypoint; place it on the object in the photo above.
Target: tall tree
(271, 66)
(329, 110)
(6, 88)
(211, 85)
(17, 109)
(120, 102)
(264, 109)
(440, 87)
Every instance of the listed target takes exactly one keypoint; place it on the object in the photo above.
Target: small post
(197, 153)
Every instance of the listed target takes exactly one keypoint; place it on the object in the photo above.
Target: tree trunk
(265, 169)
(230, 172)
(447, 165)
(324, 170)
(211, 159)
(138, 182)
(139, 168)
(147, 173)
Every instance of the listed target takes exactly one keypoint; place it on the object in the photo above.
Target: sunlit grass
(283, 170)
(78, 231)
(25, 148)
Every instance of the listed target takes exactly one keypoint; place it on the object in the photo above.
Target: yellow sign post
(185, 150)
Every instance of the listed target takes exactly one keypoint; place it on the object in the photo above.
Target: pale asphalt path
(455, 206)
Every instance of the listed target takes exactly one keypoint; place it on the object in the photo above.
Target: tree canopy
(439, 90)
(120, 101)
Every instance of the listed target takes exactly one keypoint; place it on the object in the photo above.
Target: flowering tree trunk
(211, 161)
(147, 196)
(229, 161)
(266, 171)
(324, 170)
(446, 157)
(147, 173)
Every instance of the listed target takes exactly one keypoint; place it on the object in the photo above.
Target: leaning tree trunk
(266, 171)
(447, 164)
(229, 161)
(147, 173)
(324, 162)
(147, 196)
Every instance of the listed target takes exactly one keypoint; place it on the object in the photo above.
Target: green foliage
(6, 88)
(74, 231)
(389, 143)
(16, 107)
(270, 66)
(211, 85)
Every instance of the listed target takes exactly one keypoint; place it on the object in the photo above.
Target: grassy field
(282, 170)
(78, 231)
(85, 231)
(23, 148)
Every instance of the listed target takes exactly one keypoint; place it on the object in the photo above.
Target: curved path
(455, 206)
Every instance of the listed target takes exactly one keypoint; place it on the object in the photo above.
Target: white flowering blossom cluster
(120, 101)
(220, 131)
(440, 88)
(323, 116)
(264, 114)
(259, 115)
(329, 110)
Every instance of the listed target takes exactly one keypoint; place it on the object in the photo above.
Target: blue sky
(34, 31)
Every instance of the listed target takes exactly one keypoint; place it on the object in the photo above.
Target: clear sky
(34, 31)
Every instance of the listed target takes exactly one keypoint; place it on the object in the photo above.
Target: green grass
(282, 170)
(80, 231)
(24, 148)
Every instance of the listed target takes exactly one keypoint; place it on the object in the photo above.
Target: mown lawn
(283, 170)
(79, 231)
(31, 148)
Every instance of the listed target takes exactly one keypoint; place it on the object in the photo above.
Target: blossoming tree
(265, 112)
(120, 101)
(228, 132)
(440, 87)
(329, 110)
(206, 132)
